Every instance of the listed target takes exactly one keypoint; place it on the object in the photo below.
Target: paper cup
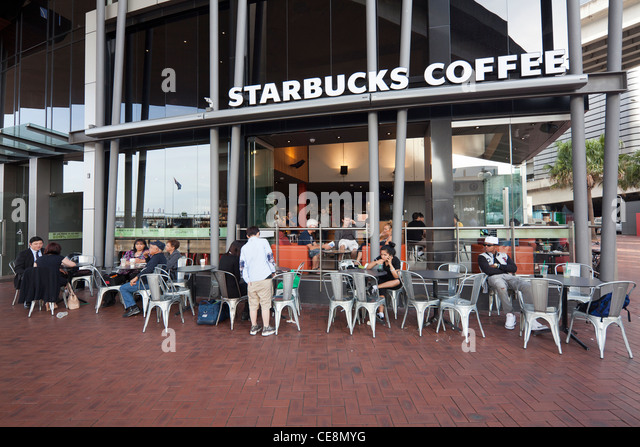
(544, 269)
(202, 262)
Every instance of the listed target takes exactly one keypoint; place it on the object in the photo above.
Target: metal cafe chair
(541, 308)
(464, 307)
(368, 298)
(580, 294)
(84, 261)
(12, 266)
(162, 296)
(287, 298)
(338, 287)
(619, 291)
(421, 302)
(223, 279)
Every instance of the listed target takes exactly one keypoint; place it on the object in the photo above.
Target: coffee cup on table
(202, 262)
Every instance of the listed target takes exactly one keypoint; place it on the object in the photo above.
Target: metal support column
(236, 135)
(374, 169)
(401, 132)
(115, 144)
(98, 176)
(214, 137)
(608, 265)
(580, 204)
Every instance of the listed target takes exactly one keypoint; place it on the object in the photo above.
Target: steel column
(374, 168)
(114, 151)
(236, 135)
(608, 264)
(580, 204)
(401, 132)
(214, 138)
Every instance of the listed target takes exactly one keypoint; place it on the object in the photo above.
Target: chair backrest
(404, 265)
(366, 286)
(337, 285)
(576, 269)
(287, 279)
(409, 280)
(86, 260)
(182, 262)
(12, 266)
(477, 281)
(97, 276)
(153, 283)
(452, 284)
(224, 279)
(619, 291)
(540, 293)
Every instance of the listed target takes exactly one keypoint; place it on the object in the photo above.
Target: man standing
(500, 269)
(27, 258)
(257, 267)
(127, 289)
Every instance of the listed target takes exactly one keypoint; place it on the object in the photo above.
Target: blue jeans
(127, 291)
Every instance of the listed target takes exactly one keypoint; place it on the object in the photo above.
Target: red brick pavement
(98, 370)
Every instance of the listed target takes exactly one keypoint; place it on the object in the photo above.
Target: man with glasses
(500, 269)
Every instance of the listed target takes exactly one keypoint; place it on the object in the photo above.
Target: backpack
(600, 307)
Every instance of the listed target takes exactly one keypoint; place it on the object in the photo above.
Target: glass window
(176, 188)
(8, 98)
(32, 89)
(58, 111)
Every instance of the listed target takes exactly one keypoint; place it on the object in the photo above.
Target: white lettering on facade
(553, 62)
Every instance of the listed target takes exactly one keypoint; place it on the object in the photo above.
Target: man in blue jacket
(128, 289)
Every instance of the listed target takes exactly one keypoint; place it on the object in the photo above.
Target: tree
(562, 171)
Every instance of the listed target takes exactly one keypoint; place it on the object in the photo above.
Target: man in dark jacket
(500, 269)
(27, 258)
(127, 289)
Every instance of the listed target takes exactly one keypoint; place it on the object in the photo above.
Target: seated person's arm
(489, 269)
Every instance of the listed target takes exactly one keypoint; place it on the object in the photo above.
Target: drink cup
(202, 262)
(543, 270)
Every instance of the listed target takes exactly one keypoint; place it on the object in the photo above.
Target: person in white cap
(500, 269)
(306, 238)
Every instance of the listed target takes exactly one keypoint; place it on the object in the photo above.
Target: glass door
(260, 181)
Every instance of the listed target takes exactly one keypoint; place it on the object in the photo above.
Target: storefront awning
(19, 143)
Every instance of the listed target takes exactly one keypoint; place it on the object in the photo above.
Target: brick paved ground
(96, 370)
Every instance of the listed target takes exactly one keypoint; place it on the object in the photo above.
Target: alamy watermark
(329, 209)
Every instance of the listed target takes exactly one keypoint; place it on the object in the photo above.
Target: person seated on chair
(171, 247)
(500, 269)
(54, 260)
(26, 259)
(230, 262)
(127, 289)
(390, 263)
(346, 237)
(306, 238)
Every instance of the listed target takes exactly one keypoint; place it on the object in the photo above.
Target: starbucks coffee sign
(526, 65)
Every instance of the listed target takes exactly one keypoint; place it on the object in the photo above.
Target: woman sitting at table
(139, 254)
(52, 259)
(230, 262)
(390, 264)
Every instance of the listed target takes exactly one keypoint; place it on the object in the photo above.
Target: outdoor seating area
(321, 369)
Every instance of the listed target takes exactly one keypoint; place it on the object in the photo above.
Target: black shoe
(131, 311)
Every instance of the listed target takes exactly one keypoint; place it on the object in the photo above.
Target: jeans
(503, 282)
(127, 290)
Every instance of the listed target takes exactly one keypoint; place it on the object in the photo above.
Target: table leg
(565, 326)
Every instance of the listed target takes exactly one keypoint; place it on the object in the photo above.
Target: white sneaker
(535, 326)
(511, 321)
